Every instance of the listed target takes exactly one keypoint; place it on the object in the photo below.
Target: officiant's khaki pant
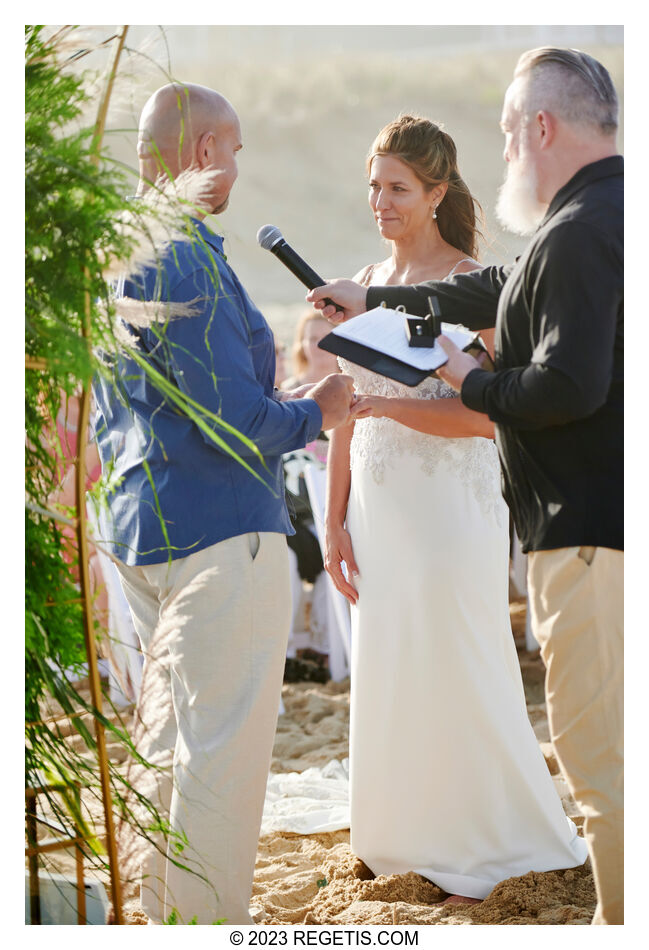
(577, 606)
(221, 617)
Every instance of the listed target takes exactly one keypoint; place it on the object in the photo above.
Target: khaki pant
(576, 600)
(226, 613)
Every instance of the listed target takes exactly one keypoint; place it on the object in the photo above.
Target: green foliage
(78, 223)
(174, 919)
(53, 613)
(72, 204)
(71, 222)
(70, 227)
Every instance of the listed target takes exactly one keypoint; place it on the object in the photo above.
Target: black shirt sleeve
(470, 299)
(573, 287)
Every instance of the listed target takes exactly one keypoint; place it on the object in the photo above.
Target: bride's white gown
(446, 776)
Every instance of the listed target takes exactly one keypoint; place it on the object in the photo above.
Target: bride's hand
(338, 548)
(366, 406)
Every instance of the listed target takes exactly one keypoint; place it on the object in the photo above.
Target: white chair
(339, 626)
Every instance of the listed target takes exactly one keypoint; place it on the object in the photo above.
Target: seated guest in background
(310, 363)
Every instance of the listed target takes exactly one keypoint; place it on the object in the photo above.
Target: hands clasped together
(338, 402)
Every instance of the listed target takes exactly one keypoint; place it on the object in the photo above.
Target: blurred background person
(310, 363)
(280, 363)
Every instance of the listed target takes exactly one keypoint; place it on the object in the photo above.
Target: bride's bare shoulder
(370, 273)
(363, 274)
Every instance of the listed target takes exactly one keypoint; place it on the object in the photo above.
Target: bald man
(200, 537)
(189, 127)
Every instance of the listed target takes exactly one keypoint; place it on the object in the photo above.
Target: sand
(315, 879)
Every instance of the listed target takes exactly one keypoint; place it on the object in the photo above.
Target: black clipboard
(379, 363)
(360, 351)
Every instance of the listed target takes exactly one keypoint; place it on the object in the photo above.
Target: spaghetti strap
(465, 260)
(367, 279)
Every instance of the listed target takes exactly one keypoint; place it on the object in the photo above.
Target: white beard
(518, 208)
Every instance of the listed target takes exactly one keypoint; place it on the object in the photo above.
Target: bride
(446, 776)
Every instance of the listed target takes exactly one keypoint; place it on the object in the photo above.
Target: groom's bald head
(174, 123)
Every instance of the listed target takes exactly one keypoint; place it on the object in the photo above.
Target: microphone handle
(300, 268)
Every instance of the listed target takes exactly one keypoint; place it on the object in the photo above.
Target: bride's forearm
(338, 475)
(443, 417)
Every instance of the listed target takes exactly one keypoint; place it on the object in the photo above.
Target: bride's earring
(435, 213)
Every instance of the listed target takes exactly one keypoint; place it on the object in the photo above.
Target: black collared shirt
(557, 394)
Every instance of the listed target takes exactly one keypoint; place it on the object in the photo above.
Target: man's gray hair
(571, 84)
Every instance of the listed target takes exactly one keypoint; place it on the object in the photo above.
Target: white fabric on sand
(309, 802)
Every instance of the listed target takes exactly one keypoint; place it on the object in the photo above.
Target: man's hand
(334, 394)
(284, 395)
(459, 364)
(348, 296)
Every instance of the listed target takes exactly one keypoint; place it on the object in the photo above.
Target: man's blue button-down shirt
(178, 491)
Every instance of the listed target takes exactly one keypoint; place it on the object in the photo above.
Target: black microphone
(272, 240)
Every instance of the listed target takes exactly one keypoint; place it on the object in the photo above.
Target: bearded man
(557, 400)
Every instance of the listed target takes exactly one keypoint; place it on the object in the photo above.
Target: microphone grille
(268, 236)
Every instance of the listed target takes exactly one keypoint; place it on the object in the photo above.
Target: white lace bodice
(378, 443)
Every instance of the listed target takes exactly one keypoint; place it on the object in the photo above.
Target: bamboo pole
(93, 666)
(32, 856)
(33, 362)
(82, 541)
